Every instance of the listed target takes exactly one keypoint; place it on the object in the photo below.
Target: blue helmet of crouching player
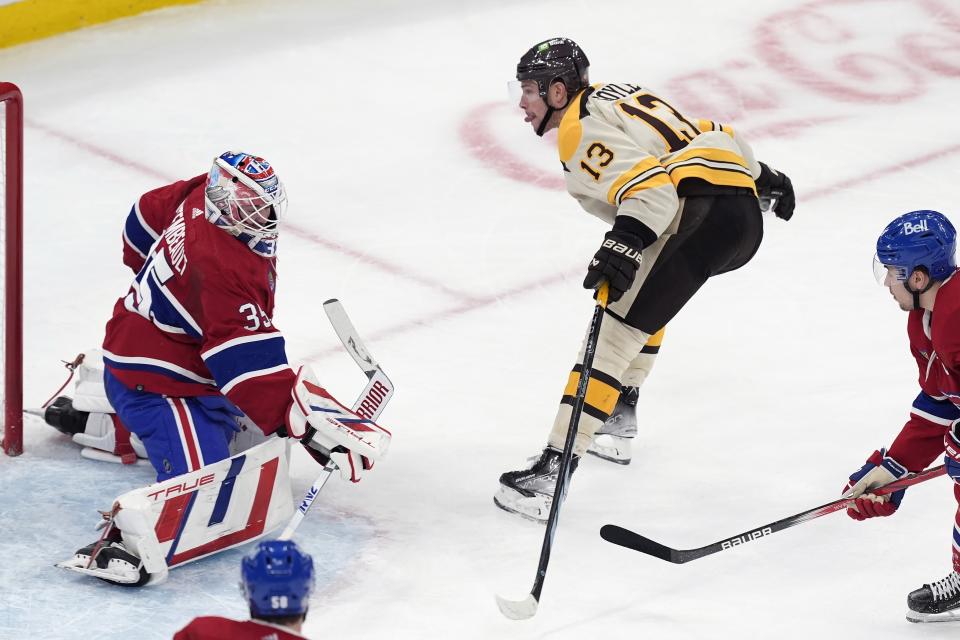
(277, 579)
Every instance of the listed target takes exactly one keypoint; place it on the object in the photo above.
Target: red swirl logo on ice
(845, 57)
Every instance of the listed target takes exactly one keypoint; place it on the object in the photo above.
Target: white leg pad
(216, 507)
(89, 392)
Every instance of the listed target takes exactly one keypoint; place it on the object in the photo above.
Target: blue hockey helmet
(277, 579)
(917, 240)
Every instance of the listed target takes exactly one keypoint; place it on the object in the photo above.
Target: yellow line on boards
(29, 20)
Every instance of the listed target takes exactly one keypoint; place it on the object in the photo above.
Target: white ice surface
(388, 122)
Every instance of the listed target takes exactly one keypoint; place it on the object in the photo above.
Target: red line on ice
(304, 234)
(477, 137)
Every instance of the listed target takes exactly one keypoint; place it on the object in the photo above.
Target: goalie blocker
(335, 432)
(230, 502)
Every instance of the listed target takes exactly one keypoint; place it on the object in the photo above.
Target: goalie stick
(369, 405)
(631, 540)
(527, 608)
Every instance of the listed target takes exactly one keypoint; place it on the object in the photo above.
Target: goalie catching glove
(331, 431)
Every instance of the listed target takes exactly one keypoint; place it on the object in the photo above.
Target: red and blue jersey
(217, 628)
(197, 318)
(935, 345)
(150, 215)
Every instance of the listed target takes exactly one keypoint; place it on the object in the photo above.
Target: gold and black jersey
(627, 152)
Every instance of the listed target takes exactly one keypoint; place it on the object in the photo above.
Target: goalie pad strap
(122, 446)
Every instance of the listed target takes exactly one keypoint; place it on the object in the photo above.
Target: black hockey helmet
(555, 59)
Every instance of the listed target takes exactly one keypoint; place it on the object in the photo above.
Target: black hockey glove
(616, 262)
(775, 186)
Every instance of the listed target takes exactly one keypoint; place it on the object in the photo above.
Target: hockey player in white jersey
(682, 198)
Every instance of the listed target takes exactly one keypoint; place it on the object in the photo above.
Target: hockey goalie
(191, 358)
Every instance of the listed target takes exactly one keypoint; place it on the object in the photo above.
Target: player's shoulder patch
(571, 131)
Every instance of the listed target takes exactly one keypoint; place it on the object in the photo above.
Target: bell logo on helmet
(916, 227)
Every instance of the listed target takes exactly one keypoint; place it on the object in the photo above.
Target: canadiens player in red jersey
(190, 350)
(681, 199)
(916, 262)
(277, 579)
(193, 341)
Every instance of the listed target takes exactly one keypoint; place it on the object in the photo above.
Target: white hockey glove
(324, 425)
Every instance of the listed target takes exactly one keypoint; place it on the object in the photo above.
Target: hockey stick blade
(518, 609)
(632, 540)
(348, 336)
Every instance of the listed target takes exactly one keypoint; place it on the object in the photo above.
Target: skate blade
(616, 449)
(532, 509)
(117, 572)
(79, 566)
(610, 455)
(946, 616)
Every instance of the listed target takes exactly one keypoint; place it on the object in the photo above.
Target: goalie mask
(246, 198)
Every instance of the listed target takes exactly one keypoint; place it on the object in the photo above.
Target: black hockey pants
(716, 234)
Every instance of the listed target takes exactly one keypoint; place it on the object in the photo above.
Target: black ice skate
(614, 439)
(529, 492)
(61, 415)
(937, 602)
(109, 560)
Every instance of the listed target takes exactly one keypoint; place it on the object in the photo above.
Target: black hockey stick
(527, 608)
(631, 540)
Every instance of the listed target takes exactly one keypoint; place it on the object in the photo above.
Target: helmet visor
(523, 90)
(888, 274)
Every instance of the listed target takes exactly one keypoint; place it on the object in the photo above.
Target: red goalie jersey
(197, 318)
(216, 628)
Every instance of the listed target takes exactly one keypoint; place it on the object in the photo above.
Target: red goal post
(11, 219)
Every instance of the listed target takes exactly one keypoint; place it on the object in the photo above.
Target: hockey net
(11, 278)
